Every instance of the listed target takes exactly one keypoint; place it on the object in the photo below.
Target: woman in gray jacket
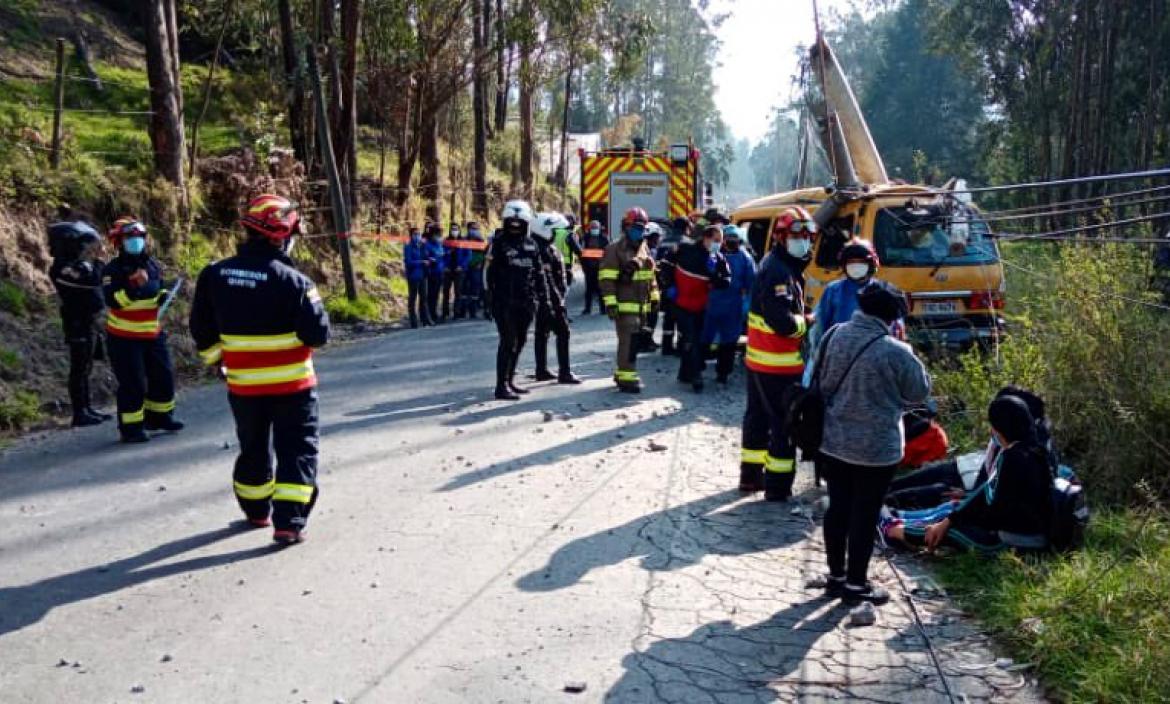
(869, 379)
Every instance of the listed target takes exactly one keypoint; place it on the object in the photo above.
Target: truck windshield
(905, 237)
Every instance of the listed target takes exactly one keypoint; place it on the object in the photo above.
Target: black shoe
(99, 415)
(630, 387)
(543, 375)
(413, 324)
(833, 587)
(568, 378)
(287, 537)
(872, 593)
(587, 311)
(83, 420)
(167, 423)
(697, 386)
(503, 394)
(516, 389)
(134, 436)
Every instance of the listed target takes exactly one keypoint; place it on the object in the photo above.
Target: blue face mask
(415, 238)
(134, 245)
(636, 233)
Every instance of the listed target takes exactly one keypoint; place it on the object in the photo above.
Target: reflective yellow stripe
(801, 327)
(160, 406)
(655, 296)
(629, 307)
(777, 465)
(255, 492)
(271, 375)
(242, 343)
(643, 275)
(757, 322)
(296, 493)
(609, 300)
(770, 359)
(753, 456)
(149, 326)
(212, 354)
(626, 375)
(133, 417)
(121, 298)
(607, 274)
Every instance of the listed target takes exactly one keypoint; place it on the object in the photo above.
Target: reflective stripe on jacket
(776, 323)
(626, 278)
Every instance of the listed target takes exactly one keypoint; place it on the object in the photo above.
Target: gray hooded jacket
(863, 416)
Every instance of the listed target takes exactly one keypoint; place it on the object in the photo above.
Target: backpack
(1070, 512)
(804, 408)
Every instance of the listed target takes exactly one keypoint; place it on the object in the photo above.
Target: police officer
(629, 293)
(258, 319)
(595, 241)
(137, 346)
(77, 275)
(516, 288)
(777, 323)
(552, 316)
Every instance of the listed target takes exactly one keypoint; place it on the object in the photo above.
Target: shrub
(341, 309)
(19, 410)
(12, 299)
(10, 362)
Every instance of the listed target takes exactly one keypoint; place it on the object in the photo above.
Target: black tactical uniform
(552, 315)
(79, 286)
(516, 288)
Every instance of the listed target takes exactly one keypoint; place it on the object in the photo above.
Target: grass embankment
(1094, 622)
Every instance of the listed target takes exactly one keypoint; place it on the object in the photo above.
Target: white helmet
(517, 209)
(546, 224)
(653, 228)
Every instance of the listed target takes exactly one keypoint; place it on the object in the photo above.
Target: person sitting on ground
(1012, 509)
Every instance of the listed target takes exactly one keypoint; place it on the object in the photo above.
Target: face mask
(473, 233)
(712, 246)
(799, 248)
(635, 234)
(595, 231)
(857, 272)
(415, 238)
(134, 245)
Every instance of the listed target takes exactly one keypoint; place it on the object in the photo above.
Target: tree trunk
(408, 143)
(166, 120)
(294, 89)
(501, 74)
(561, 175)
(228, 11)
(345, 132)
(487, 75)
(526, 127)
(428, 153)
(479, 36)
(172, 18)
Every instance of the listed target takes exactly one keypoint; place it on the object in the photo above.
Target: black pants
(855, 501)
(512, 323)
(766, 447)
(81, 349)
(434, 285)
(146, 381)
(472, 291)
(416, 302)
(287, 426)
(690, 327)
(668, 324)
(452, 284)
(925, 488)
(556, 323)
(592, 286)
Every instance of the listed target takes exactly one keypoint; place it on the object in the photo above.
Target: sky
(758, 59)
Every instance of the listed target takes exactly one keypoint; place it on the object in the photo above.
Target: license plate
(939, 307)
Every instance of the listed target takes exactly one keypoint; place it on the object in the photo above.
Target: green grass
(1095, 622)
(19, 410)
(10, 362)
(12, 298)
(363, 308)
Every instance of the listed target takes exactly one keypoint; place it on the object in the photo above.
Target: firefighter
(436, 263)
(257, 319)
(137, 346)
(699, 268)
(77, 275)
(473, 280)
(552, 316)
(458, 258)
(629, 293)
(595, 239)
(777, 322)
(726, 307)
(516, 289)
(414, 257)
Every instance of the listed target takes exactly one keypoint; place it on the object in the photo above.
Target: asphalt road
(463, 550)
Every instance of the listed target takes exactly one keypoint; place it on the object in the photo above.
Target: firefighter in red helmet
(258, 319)
(629, 293)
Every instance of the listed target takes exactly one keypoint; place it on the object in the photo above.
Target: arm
(204, 327)
(721, 273)
(913, 379)
(777, 300)
(312, 320)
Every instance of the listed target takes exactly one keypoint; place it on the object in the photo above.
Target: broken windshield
(928, 237)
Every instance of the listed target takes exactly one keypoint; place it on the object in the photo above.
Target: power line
(1128, 176)
(1096, 293)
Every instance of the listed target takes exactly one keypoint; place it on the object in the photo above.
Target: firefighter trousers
(768, 457)
(629, 330)
(512, 323)
(146, 381)
(286, 426)
(555, 323)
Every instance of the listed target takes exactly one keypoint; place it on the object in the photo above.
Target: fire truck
(666, 184)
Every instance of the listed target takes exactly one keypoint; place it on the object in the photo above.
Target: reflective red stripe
(137, 316)
(771, 343)
(132, 335)
(256, 359)
(287, 387)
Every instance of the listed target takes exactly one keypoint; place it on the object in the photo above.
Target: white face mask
(857, 272)
(799, 248)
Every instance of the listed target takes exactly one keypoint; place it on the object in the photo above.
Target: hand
(138, 278)
(935, 532)
(955, 494)
(810, 318)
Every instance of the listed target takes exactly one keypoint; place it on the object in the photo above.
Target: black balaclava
(1009, 415)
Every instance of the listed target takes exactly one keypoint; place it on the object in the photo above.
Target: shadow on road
(25, 605)
(720, 662)
(673, 538)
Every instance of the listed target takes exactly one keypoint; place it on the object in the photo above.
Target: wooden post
(336, 195)
(55, 155)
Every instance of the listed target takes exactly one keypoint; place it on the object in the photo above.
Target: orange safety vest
(137, 320)
(771, 353)
(265, 365)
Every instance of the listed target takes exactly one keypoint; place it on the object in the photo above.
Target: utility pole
(55, 155)
(336, 195)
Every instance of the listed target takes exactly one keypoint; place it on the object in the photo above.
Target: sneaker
(289, 536)
(852, 595)
(834, 587)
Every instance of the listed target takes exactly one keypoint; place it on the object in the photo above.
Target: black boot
(567, 377)
(133, 434)
(778, 486)
(725, 362)
(503, 394)
(83, 419)
(751, 478)
(542, 372)
(668, 349)
(163, 421)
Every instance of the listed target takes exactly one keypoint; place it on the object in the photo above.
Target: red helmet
(271, 215)
(858, 249)
(794, 221)
(635, 216)
(126, 226)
